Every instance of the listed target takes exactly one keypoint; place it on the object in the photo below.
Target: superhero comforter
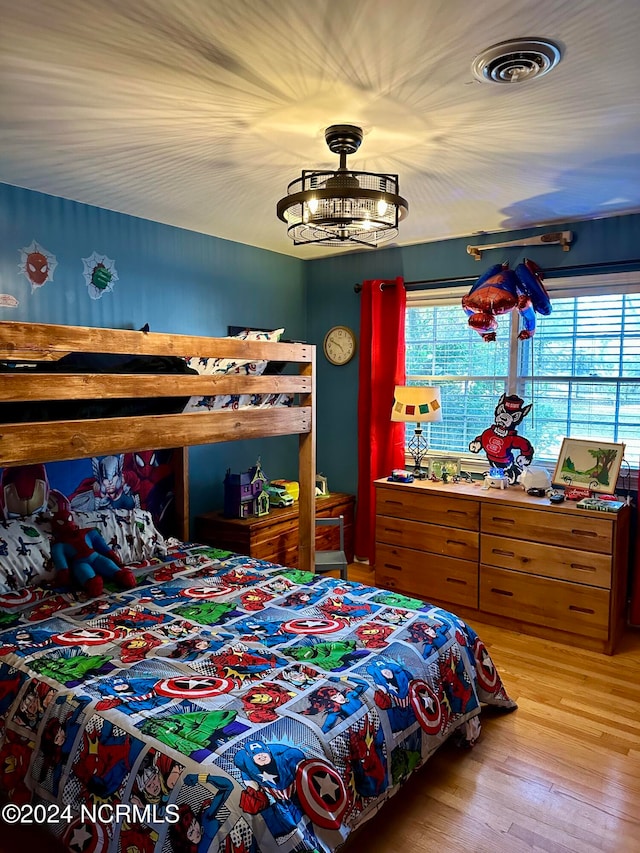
(238, 705)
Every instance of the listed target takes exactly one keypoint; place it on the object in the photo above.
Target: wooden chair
(328, 560)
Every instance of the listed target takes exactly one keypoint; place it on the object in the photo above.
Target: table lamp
(417, 404)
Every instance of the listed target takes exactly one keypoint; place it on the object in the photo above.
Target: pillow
(25, 553)
(130, 532)
(25, 543)
(211, 366)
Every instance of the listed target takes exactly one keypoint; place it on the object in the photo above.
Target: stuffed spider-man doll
(82, 555)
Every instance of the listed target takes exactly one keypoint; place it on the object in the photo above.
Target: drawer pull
(394, 503)
(577, 532)
(457, 512)
(501, 591)
(502, 553)
(454, 542)
(392, 566)
(392, 530)
(456, 580)
(503, 520)
(583, 568)
(582, 609)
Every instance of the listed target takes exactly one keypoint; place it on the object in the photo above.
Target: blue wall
(175, 280)
(331, 300)
(180, 281)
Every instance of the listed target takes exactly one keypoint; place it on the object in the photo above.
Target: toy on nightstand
(322, 487)
(244, 493)
(291, 487)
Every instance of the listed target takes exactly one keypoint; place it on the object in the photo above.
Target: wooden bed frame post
(307, 476)
(181, 469)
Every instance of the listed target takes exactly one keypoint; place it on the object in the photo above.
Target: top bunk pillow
(212, 366)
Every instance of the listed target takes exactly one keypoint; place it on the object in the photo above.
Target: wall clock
(339, 345)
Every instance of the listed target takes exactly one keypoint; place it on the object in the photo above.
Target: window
(581, 370)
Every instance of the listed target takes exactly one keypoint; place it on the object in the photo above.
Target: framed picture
(589, 464)
(439, 465)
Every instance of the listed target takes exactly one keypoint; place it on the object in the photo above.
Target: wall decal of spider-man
(505, 449)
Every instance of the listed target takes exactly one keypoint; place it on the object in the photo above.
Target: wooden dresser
(274, 536)
(506, 557)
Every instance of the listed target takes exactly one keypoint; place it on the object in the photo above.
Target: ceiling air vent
(516, 60)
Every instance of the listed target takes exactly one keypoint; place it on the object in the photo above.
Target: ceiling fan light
(334, 208)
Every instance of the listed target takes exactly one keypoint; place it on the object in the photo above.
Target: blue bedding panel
(227, 705)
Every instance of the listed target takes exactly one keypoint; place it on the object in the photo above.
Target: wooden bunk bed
(272, 709)
(32, 342)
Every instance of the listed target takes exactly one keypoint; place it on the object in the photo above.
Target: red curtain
(381, 368)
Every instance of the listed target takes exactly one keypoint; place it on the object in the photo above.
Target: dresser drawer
(421, 506)
(541, 601)
(586, 567)
(581, 532)
(447, 541)
(431, 577)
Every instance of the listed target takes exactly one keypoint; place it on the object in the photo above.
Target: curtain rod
(419, 284)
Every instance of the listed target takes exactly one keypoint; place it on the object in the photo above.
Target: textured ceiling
(199, 114)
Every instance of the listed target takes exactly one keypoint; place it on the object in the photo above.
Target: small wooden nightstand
(274, 537)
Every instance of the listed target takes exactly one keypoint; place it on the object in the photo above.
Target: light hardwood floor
(561, 774)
